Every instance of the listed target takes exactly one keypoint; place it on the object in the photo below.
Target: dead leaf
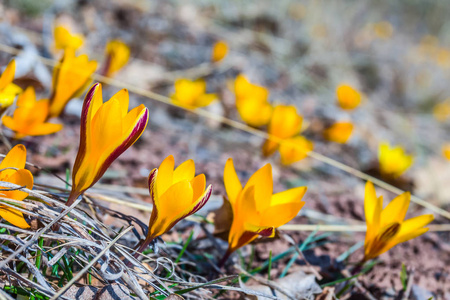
(297, 285)
(222, 218)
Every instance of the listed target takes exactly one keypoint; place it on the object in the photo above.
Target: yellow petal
(8, 94)
(14, 217)
(43, 129)
(446, 151)
(295, 149)
(269, 147)
(123, 99)
(278, 215)
(231, 180)
(64, 39)
(262, 181)
(372, 205)
(220, 50)
(15, 158)
(118, 54)
(347, 97)
(413, 224)
(205, 100)
(27, 98)
(165, 175)
(339, 132)
(285, 121)
(402, 239)
(198, 184)
(185, 171)
(20, 177)
(8, 75)
(395, 211)
(175, 200)
(254, 112)
(294, 195)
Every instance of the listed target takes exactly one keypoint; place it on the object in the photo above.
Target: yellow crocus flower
(30, 116)
(12, 170)
(117, 55)
(176, 194)
(256, 212)
(8, 90)
(383, 30)
(347, 97)
(244, 89)
(251, 102)
(295, 149)
(106, 131)
(339, 132)
(393, 161)
(64, 39)
(192, 93)
(254, 112)
(446, 151)
(220, 50)
(387, 227)
(441, 111)
(71, 76)
(284, 124)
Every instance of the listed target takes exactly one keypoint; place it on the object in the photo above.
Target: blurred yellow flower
(295, 149)
(446, 151)
(284, 123)
(30, 116)
(387, 227)
(12, 170)
(339, 132)
(106, 131)
(244, 89)
(8, 90)
(347, 97)
(256, 212)
(117, 55)
(176, 194)
(192, 94)
(64, 39)
(393, 161)
(441, 111)
(383, 30)
(251, 102)
(220, 50)
(71, 76)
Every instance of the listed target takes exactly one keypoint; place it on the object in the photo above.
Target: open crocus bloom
(219, 51)
(8, 90)
(347, 97)
(176, 194)
(106, 131)
(117, 55)
(251, 102)
(64, 39)
(30, 116)
(70, 78)
(295, 149)
(387, 227)
(192, 94)
(393, 161)
(284, 124)
(339, 132)
(256, 212)
(12, 170)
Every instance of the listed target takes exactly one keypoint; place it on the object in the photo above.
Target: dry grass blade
(88, 266)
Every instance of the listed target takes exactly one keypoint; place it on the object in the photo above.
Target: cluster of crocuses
(71, 76)
(108, 129)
